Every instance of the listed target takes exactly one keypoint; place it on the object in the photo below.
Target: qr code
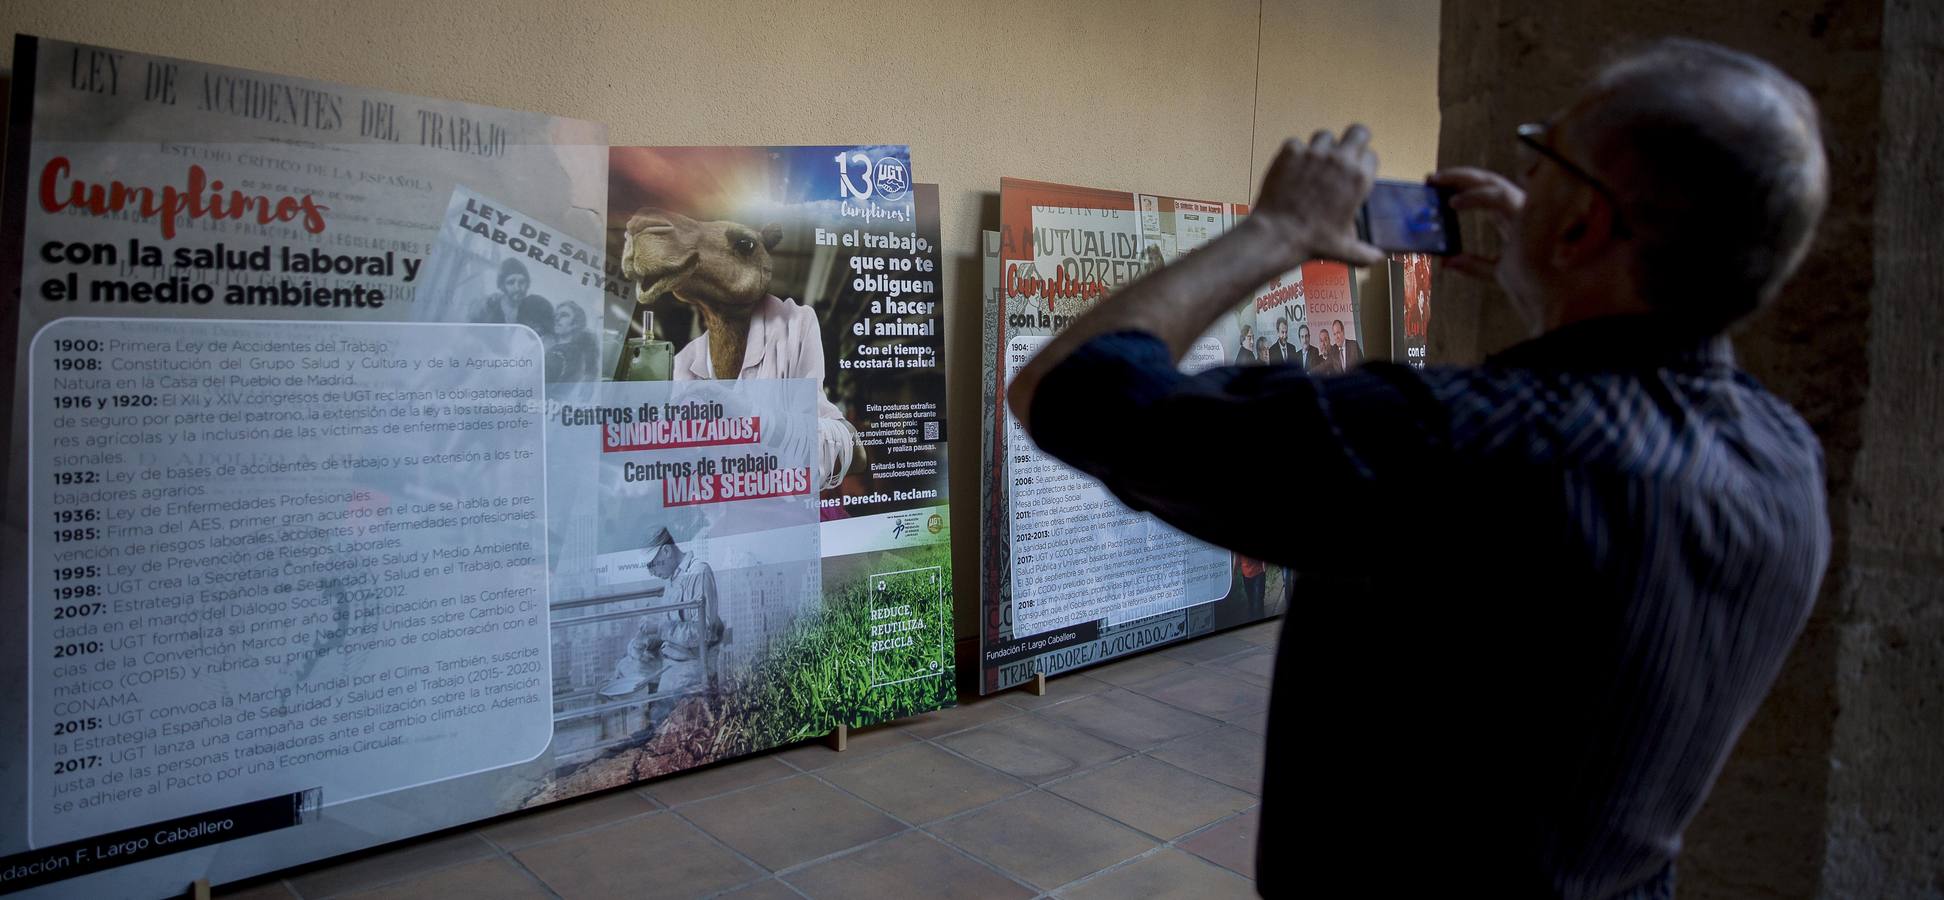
(931, 430)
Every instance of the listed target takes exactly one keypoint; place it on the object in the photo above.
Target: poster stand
(1037, 687)
(1057, 590)
(613, 587)
(199, 889)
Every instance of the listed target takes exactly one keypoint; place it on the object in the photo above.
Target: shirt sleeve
(1264, 460)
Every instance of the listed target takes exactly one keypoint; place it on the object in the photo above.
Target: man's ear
(772, 235)
(1586, 232)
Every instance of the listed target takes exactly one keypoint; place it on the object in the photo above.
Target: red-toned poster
(1332, 303)
(1410, 301)
(1070, 576)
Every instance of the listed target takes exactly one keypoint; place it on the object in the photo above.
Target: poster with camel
(744, 450)
(1071, 577)
(769, 401)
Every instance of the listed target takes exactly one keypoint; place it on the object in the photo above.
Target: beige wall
(1137, 94)
(1325, 65)
(1134, 94)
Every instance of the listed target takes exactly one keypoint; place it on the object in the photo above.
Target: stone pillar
(1837, 787)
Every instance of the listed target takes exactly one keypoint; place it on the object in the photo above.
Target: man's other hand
(1311, 194)
(1488, 192)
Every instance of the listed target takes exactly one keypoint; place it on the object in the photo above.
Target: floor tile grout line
(522, 866)
(924, 826)
(1161, 847)
(1177, 843)
(1256, 801)
(1097, 873)
(800, 867)
(994, 866)
(1130, 752)
(1224, 712)
(668, 807)
(557, 838)
(982, 763)
(567, 834)
(766, 876)
(1020, 878)
(868, 804)
(817, 775)
(970, 810)
(416, 873)
(1226, 658)
(1140, 687)
(1256, 792)
(924, 829)
(947, 841)
(723, 844)
(1215, 723)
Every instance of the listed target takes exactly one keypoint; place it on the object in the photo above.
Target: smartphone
(1408, 217)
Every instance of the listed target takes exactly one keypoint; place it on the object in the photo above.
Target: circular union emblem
(936, 523)
(893, 180)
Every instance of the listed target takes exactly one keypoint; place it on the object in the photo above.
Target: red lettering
(50, 200)
(201, 199)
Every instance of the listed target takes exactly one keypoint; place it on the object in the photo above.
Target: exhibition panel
(379, 464)
(1070, 576)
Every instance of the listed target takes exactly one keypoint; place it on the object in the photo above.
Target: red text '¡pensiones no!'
(202, 199)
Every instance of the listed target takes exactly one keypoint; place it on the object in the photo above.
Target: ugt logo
(893, 180)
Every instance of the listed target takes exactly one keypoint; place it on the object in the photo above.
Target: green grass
(821, 673)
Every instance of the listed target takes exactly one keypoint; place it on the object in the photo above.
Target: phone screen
(1408, 217)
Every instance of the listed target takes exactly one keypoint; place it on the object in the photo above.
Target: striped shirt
(1538, 599)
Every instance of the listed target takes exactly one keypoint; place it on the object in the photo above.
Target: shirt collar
(1620, 343)
(755, 347)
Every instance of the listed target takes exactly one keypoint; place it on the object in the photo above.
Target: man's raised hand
(1311, 194)
(1491, 193)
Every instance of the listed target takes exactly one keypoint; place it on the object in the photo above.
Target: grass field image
(879, 649)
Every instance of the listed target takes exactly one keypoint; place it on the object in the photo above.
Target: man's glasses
(1532, 135)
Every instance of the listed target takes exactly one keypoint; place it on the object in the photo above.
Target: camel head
(720, 267)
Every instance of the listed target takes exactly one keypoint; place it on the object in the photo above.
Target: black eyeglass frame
(1531, 133)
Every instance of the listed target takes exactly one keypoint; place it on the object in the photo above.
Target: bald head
(1718, 159)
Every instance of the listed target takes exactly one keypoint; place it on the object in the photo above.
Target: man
(572, 354)
(1262, 349)
(1282, 352)
(1636, 527)
(1312, 357)
(513, 305)
(1245, 356)
(1414, 315)
(1327, 363)
(1349, 354)
(673, 652)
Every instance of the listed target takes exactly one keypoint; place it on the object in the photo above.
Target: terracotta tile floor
(1138, 778)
